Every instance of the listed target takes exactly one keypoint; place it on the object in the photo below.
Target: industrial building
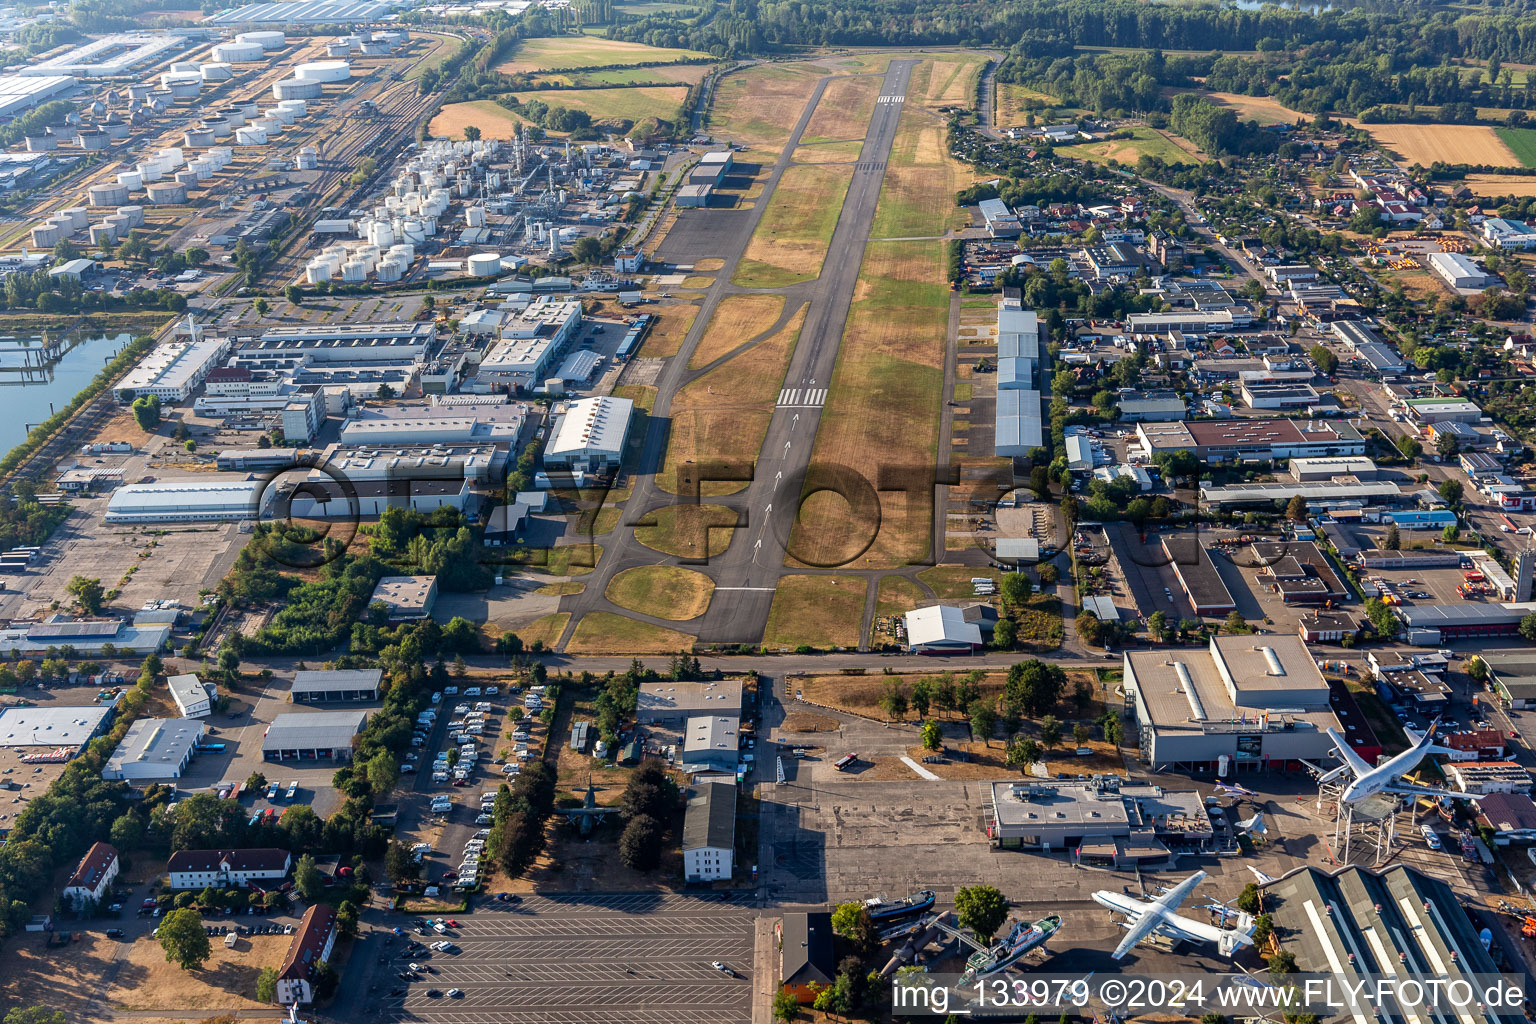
(199, 869)
(406, 598)
(65, 729)
(312, 735)
(335, 686)
(173, 370)
(194, 698)
(1197, 574)
(590, 434)
(1358, 925)
(709, 833)
(1105, 822)
(89, 637)
(204, 498)
(673, 703)
(1247, 702)
(155, 750)
(1457, 271)
(1251, 440)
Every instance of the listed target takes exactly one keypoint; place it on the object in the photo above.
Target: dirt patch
(1451, 143)
(737, 320)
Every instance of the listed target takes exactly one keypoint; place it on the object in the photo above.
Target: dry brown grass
(822, 611)
(844, 111)
(1490, 185)
(147, 981)
(762, 104)
(882, 410)
(664, 591)
(1452, 143)
(790, 243)
(737, 320)
(687, 530)
(724, 414)
(607, 633)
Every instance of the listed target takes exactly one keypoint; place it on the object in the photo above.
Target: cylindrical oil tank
(172, 157)
(316, 271)
(474, 216)
(164, 193)
(151, 170)
(46, 236)
(200, 138)
(186, 177)
(390, 270)
(130, 179)
(296, 89)
(135, 215)
(299, 107)
(251, 136)
(220, 126)
(107, 195)
(323, 71)
(484, 264)
(217, 71)
(267, 40)
(103, 234)
(79, 217)
(93, 139)
(353, 271)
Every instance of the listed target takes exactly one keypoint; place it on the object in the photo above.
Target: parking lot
(640, 958)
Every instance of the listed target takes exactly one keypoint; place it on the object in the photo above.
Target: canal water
(30, 385)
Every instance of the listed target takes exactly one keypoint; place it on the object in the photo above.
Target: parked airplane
(1146, 917)
(1385, 778)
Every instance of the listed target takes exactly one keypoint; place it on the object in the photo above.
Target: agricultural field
(725, 413)
(493, 120)
(637, 104)
(1144, 141)
(791, 240)
(1424, 144)
(761, 104)
(586, 52)
(1521, 142)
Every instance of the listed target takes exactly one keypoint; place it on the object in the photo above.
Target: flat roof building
(672, 703)
(312, 735)
(330, 686)
(591, 434)
(155, 750)
(406, 597)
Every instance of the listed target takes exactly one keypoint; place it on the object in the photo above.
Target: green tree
(184, 940)
(87, 592)
(308, 879)
(933, 736)
(266, 985)
(982, 909)
(983, 720)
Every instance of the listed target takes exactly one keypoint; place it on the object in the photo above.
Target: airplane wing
(1139, 929)
(1173, 897)
(1402, 789)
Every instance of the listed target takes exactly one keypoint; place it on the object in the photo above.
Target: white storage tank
(251, 136)
(107, 195)
(238, 53)
(166, 193)
(130, 179)
(296, 89)
(217, 71)
(46, 236)
(103, 234)
(484, 264)
(353, 272)
(135, 215)
(199, 138)
(79, 217)
(323, 71)
(474, 216)
(316, 271)
(266, 40)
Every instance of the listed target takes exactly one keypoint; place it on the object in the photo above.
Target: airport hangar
(1247, 702)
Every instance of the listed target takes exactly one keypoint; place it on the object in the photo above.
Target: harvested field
(762, 104)
(586, 52)
(607, 633)
(790, 243)
(663, 591)
(884, 399)
(1493, 185)
(819, 611)
(658, 101)
(844, 111)
(493, 120)
(737, 319)
(1452, 143)
(724, 414)
(688, 530)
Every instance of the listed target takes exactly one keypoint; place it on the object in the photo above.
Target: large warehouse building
(1253, 702)
(206, 498)
(312, 735)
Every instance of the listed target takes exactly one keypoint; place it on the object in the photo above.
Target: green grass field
(1521, 142)
(1144, 142)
